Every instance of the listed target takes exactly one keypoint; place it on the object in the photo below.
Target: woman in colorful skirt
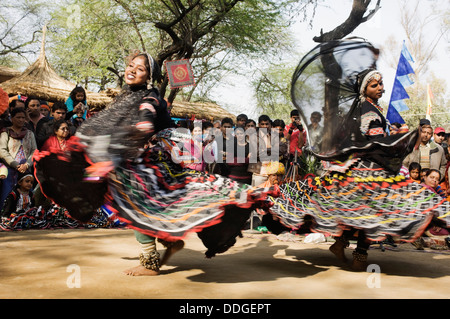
(360, 195)
(126, 159)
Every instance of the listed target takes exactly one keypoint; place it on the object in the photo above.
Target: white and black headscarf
(364, 78)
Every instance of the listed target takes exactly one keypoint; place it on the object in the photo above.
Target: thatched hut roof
(205, 111)
(42, 81)
(181, 109)
(7, 73)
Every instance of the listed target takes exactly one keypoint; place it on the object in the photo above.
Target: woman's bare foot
(338, 249)
(172, 249)
(141, 271)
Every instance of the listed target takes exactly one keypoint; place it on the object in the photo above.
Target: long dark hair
(77, 89)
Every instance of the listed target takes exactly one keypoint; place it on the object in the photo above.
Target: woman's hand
(22, 168)
(78, 108)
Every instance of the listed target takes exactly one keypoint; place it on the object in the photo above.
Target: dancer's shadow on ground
(267, 261)
(264, 261)
(393, 263)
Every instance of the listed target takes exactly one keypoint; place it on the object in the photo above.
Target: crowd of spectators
(30, 124)
(261, 152)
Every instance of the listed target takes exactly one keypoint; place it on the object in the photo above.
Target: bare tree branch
(8, 49)
(133, 20)
(356, 17)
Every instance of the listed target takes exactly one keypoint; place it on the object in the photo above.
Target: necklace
(379, 108)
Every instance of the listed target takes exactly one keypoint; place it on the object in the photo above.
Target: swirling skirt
(365, 197)
(153, 195)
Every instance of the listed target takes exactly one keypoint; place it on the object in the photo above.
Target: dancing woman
(373, 126)
(122, 158)
(360, 192)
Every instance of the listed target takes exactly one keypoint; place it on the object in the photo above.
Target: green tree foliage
(91, 38)
(273, 89)
(417, 103)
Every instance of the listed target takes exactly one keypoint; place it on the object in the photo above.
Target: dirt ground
(88, 264)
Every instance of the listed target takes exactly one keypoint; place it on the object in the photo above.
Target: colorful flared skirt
(153, 195)
(365, 197)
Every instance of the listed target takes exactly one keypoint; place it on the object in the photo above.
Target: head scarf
(364, 78)
(153, 72)
(23, 176)
(151, 63)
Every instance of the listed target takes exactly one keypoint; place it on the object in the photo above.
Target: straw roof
(204, 111)
(42, 81)
(182, 109)
(7, 73)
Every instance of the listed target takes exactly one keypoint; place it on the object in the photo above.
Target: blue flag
(404, 68)
(393, 116)
(398, 92)
(402, 80)
(406, 54)
(405, 80)
(400, 105)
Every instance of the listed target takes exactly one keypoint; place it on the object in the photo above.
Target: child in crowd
(20, 198)
(423, 172)
(415, 172)
(78, 118)
(76, 102)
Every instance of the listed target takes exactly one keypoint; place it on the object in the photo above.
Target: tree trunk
(331, 106)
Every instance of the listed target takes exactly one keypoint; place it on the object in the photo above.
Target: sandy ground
(88, 264)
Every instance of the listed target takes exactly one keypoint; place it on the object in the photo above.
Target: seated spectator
(59, 137)
(17, 145)
(445, 182)
(436, 233)
(59, 111)
(394, 128)
(423, 172)
(431, 180)
(20, 199)
(77, 119)
(275, 172)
